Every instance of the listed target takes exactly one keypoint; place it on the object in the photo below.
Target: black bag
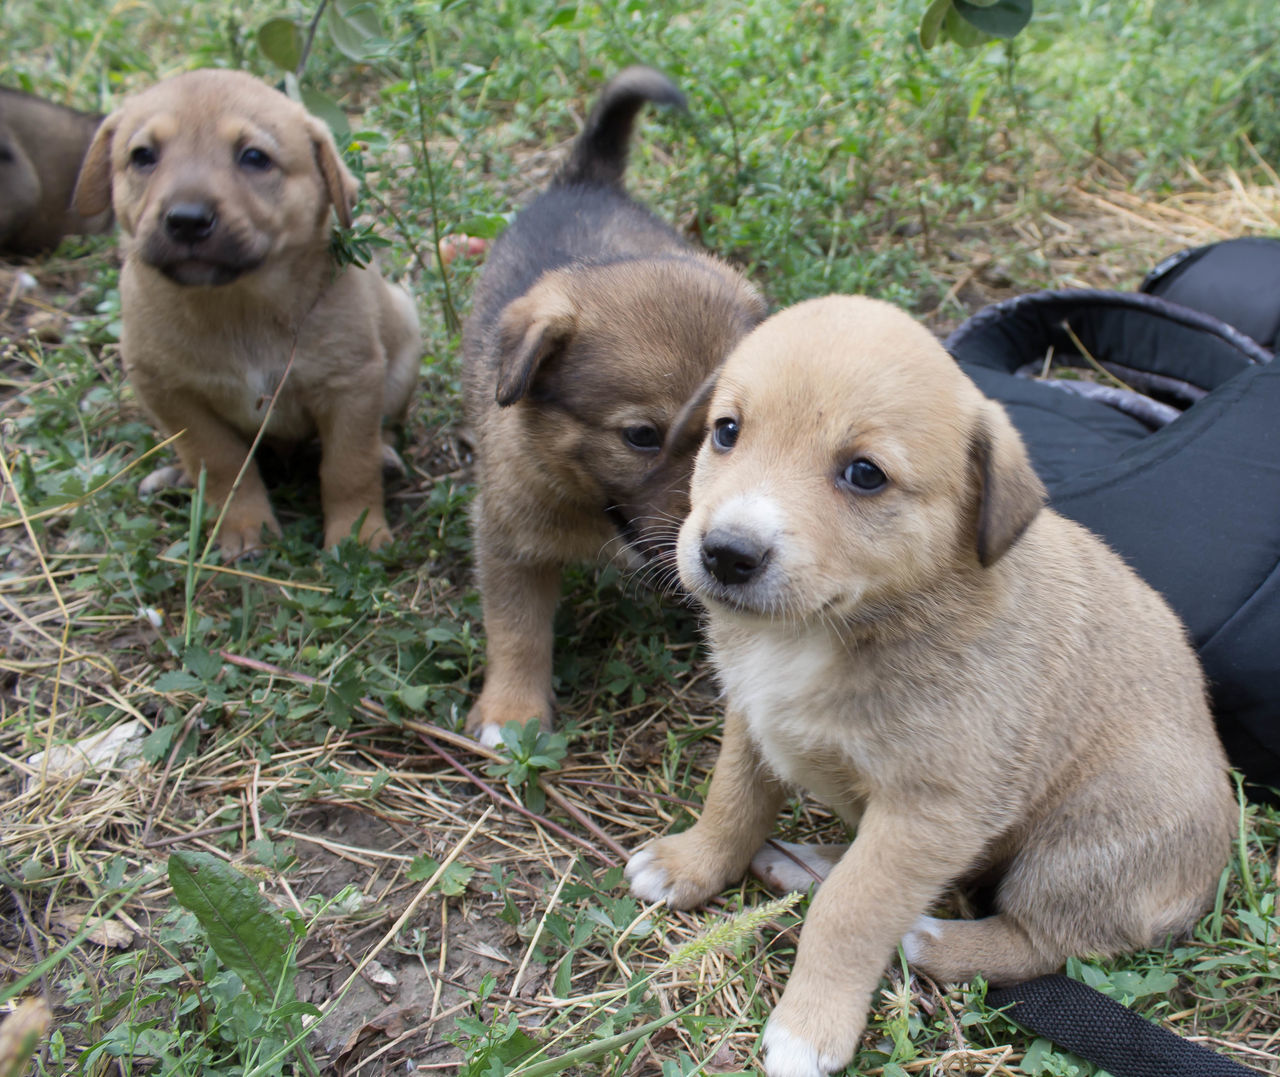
(1181, 477)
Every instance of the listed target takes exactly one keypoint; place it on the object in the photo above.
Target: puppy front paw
(677, 871)
(493, 711)
(810, 1037)
(789, 1055)
(164, 478)
(241, 533)
(788, 867)
(374, 531)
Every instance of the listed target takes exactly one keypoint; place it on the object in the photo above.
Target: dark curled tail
(599, 155)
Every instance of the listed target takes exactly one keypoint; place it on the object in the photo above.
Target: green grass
(318, 699)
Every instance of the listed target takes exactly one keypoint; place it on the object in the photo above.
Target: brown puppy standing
(593, 325)
(41, 147)
(977, 684)
(224, 189)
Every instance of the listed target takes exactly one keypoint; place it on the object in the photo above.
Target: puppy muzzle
(733, 567)
(733, 558)
(190, 222)
(192, 246)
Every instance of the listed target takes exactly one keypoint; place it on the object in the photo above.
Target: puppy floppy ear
(92, 194)
(338, 181)
(1009, 491)
(689, 426)
(532, 329)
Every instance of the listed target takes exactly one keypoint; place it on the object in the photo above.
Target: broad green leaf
(203, 662)
(355, 28)
(177, 680)
(563, 982)
(512, 1046)
(281, 42)
(330, 111)
(962, 31)
(249, 936)
(1033, 1061)
(563, 16)
(932, 21)
(1003, 18)
(414, 696)
(452, 883)
(360, 13)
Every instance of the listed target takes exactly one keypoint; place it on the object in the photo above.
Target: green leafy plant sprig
(532, 750)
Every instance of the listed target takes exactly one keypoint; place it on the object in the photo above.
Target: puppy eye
(644, 438)
(862, 475)
(724, 435)
(253, 158)
(142, 157)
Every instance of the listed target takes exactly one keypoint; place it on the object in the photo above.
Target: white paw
(787, 1055)
(163, 478)
(786, 866)
(925, 930)
(490, 734)
(648, 881)
(392, 464)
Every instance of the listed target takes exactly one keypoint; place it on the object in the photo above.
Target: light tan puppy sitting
(977, 684)
(224, 189)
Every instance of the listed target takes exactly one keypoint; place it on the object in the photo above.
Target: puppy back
(599, 155)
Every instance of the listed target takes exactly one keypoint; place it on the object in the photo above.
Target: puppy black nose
(188, 222)
(732, 559)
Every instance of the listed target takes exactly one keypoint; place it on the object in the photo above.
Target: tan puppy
(593, 325)
(977, 684)
(224, 189)
(41, 147)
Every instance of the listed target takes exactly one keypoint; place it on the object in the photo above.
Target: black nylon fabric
(1194, 507)
(1229, 280)
(1100, 1030)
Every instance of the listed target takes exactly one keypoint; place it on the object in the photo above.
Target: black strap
(1100, 1030)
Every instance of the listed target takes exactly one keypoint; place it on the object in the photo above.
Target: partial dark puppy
(593, 325)
(41, 147)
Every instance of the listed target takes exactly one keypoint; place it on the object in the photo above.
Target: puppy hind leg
(787, 866)
(351, 469)
(170, 477)
(393, 465)
(952, 951)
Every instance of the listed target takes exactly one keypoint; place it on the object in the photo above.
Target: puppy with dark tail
(594, 324)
